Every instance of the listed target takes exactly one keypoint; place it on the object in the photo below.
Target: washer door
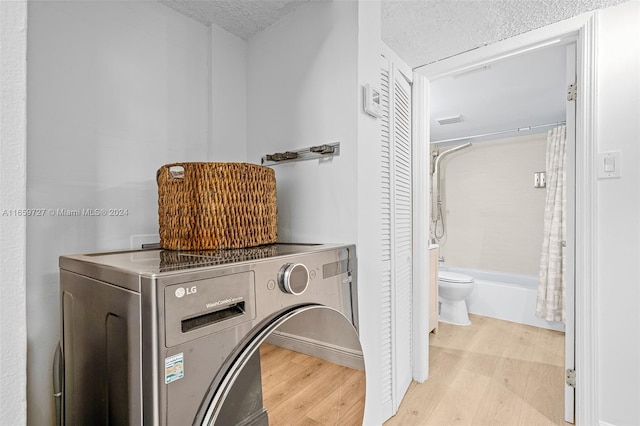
(304, 366)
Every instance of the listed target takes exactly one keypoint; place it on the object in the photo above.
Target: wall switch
(609, 164)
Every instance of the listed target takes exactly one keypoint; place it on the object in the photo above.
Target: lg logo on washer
(180, 292)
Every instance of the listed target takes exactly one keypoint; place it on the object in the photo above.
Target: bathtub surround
(494, 215)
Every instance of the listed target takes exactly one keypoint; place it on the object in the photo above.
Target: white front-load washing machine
(160, 337)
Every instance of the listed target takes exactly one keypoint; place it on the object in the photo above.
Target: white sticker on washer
(173, 368)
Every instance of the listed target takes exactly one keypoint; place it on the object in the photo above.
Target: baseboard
(332, 353)
(601, 423)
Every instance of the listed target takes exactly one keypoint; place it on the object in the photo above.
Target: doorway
(490, 211)
(582, 28)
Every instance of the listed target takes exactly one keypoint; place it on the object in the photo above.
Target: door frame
(586, 256)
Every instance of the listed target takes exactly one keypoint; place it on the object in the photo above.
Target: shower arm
(436, 200)
(449, 151)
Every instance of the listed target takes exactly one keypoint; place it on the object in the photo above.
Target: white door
(402, 221)
(396, 233)
(386, 240)
(569, 362)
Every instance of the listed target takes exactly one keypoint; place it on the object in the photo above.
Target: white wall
(302, 84)
(494, 216)
(228, 97)
(304, 81)
(13, 160)
(618, 92)
(116, 89)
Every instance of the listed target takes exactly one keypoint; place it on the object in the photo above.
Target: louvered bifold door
(387, 243)
(396, 234)
(401, 225)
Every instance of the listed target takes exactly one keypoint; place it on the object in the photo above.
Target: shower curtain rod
(519, 129)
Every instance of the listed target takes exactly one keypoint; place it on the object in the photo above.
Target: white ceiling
(523, 91)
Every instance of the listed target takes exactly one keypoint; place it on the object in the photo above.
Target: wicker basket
(216, 205)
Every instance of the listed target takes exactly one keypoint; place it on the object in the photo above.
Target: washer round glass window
(304, 366)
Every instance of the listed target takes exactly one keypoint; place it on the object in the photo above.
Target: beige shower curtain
(551, 286)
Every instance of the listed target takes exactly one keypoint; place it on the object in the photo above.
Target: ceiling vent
(449, 120)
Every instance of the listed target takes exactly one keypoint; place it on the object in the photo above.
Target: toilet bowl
(453, 289)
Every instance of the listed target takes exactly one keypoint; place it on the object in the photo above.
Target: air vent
(449, 120)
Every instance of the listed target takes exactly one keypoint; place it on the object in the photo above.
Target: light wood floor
(298, 389)
(492, 372)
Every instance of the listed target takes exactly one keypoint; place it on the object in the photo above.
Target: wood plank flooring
(492, 372)
(304, 390)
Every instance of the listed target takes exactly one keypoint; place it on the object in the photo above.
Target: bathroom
(487, 219)
(488, 204)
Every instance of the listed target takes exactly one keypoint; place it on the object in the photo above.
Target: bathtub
(505, 296)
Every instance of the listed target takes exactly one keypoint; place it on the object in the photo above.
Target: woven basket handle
(173, 170)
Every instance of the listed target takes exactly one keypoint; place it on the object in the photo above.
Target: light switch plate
(609, 165)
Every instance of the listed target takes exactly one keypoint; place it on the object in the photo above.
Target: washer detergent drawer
(199, 308)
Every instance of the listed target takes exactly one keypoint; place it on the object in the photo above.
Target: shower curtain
(551, 286)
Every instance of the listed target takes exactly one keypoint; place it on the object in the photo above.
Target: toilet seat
(453, 277)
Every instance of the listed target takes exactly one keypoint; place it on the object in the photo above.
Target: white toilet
(453, 289)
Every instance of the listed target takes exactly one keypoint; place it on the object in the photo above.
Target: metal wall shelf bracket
(318, 151)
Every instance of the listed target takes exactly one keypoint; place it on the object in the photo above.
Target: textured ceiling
(419, 31)
(425, 31)
(243, 18)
